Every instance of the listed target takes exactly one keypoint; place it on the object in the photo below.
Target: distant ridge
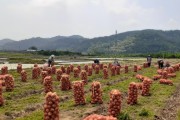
(141, 41)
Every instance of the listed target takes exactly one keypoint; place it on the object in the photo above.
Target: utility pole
(115, 42)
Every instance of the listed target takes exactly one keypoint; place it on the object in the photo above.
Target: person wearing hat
(149, 59)
(51, 60)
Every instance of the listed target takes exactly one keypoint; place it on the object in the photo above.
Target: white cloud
(27, 18)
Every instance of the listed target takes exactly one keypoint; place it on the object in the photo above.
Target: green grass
(146, 108)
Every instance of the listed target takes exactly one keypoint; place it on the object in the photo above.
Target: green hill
(143, 41)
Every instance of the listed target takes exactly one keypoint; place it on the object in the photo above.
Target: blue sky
(21, 19)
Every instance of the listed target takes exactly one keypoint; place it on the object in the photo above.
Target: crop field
(27, 99)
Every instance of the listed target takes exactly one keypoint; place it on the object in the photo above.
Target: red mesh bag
(78, 90)
(58, 74)
(86, 68)
(110, 65)
(51, 106)
(72, 67)
(156, 77)
(132, 93)
(146, 87)
(113, 71)
(135, 68)
(171, 75)
(96, 96)
(53, 69)
(105, 73)
(48, 84)
(126, 69)
(65, 82)
(118, 70)
(63, 69)
(9, 82)
(4, 70)
(79, 68)
(145, 65)
(97, 69)
(115, 103)
(19, 68)
(164, 75)
(90, 70)
(84, 76)
(93, 65)
(23, 76)
(166, 81)
(101, 66)
(44, 74)
(35, 73)
(68, 70)
(76, 72)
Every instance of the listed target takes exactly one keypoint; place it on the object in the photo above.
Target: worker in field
(96, 61)
(149, 59)
(160, 63)
(116, 63)
(51, 61)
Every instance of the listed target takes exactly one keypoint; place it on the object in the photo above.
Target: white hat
(52, 56)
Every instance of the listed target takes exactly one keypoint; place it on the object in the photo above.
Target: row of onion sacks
(51, 106)
(1, 96)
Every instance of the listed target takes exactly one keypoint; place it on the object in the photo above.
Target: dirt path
(169, 112)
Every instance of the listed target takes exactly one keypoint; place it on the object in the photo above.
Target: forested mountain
(144, 41)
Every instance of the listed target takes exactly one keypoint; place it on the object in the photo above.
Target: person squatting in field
(160, 63)
(51, 61)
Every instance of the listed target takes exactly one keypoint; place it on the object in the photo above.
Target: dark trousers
(149, 64)
(161, 65)
(49, 63)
